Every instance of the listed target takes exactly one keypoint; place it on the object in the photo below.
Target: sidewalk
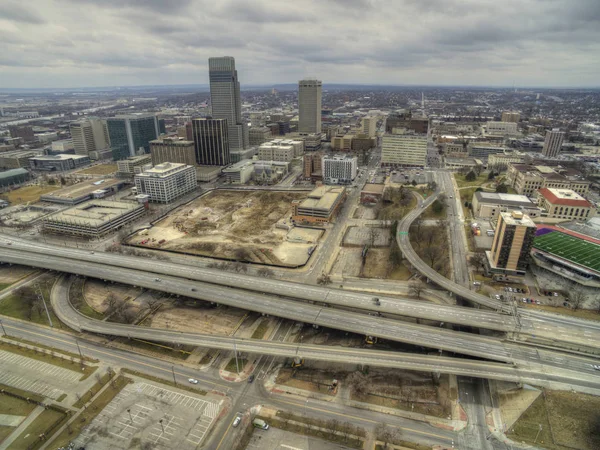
(22, 427)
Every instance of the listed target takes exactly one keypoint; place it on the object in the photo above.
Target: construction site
(245, 226)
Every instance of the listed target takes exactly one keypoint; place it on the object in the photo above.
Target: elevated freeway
(392, 359)
(525, 357)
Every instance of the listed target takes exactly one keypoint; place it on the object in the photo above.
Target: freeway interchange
(532, 365)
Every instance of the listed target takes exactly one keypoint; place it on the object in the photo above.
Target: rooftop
(60, 156)
(13, 172)
(323, 197)
(161, 170)
(506, 199)
(517, 218)
(82, 189)
(371, 188)
(563, 197)
(94, 213)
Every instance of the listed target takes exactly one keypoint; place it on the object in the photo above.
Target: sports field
(580, 252)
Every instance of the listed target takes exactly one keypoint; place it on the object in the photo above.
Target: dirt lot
(360, 236)
(96, 292)
(26, 194)
(12, 274)
(568, 421)
(100, 169)
(201, 318)
(237, 225)
(377, 265)
(365, 212)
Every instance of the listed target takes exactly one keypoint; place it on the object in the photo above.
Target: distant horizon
(249, 86)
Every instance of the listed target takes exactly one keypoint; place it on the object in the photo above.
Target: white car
(193, 380)
(596, 366)
(236, 421)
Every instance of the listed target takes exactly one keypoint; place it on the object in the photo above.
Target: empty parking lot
(150, 413)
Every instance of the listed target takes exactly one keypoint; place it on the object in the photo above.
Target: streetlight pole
(162, 426)
(130, 417)
(3, 330)
(237, 367)
(41, 294)
(79, 349)
(173, 371)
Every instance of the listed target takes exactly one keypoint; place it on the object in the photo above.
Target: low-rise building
(259, 135)
(362, 143)
(564, 204)
(484, 150)
(342, 143)
(86, 190)
(128, 167)
(13, 177)
(166, 182)
(206, 174)
(461, 163)
(239, 172)
(276, 151)
(500, 161)
(501, 128)
(93, 219)
(263, 172)
(47, 137)
(372, 193)
(511, 116)
(172, 150)
(339, 169)
(58, 163)
(63, 146)
(17, 158)
(527, 179)
(321, 206)
(313, 166)
(489, 205)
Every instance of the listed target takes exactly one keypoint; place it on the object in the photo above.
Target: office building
(185, 131)
(211, 141)
(275, 151)
(483, 150)
(13, 177)
(312, 141)
(58, 163)
(527, 179)
(512, 244)
(313, 166)
(369, 126)
(361, 143)
(339, 169)
(263, 172)
(404, 150)
(239, 172)
(206, 174)
(226, 102)
(89, 135)
(47, 137)
(564, 204)
(259, 135)
(309, 106)
(321, 205)
(501, 128)
(128, 167)
(511, 116)
(342, 143)
(173, 150)
(489, 205)
(553, 143)
(297, 144)
(166, 182)
(93, 219)
(131, 134)
(499, 162)
(23, 132)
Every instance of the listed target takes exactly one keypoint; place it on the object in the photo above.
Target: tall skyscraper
(211, 140)
(512, 243)
(89, 135)
(553, 143)
(131, 134)
(226, 101)
(309, 106)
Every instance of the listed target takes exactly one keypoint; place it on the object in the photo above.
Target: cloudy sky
(76, 43)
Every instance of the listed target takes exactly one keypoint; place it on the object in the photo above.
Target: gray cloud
(15, 12)
(104, 42)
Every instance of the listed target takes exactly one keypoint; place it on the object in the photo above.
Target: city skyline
(452, 43)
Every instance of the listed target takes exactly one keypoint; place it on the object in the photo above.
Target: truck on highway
(259, 423)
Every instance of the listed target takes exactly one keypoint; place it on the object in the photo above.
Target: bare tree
(359, 383)
(478, 261)
(433, 254)
(415, 288)
(577, 298)
(265, 272)
(387, 435)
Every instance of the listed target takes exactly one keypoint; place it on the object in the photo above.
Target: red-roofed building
(564, 204)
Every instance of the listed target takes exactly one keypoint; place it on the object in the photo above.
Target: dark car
(250, 378)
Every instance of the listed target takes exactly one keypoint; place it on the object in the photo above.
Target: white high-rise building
(553, 143)
(226, 101)
(166, 182)
(89, 135)
(369, 126)
(339, 169)
(309, 106)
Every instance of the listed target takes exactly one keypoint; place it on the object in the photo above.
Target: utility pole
(3, 330)
(173, 371)
(79, 350)
(237, 366)
(41, 296)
